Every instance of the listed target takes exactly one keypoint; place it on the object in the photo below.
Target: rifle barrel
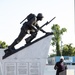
(52, 19)
(22, 20)
(48, 22)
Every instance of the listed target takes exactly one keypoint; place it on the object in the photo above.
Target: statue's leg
(17, 40)
(30, 38)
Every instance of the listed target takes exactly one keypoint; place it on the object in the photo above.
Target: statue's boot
(29, 39)
(11, 47)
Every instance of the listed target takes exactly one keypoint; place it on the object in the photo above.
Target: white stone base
(29, 61)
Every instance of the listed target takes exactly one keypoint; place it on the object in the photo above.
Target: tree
(68, 50)
(3, 44)
(57, 37)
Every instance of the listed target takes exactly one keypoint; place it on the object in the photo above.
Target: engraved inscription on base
(10, 68)
(34, 68)
(22, 68)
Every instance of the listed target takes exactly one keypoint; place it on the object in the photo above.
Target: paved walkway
(49, 69)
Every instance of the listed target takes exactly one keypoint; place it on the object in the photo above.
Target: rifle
(43, 24)
(40, 28)
(23, 20)
(47, 22)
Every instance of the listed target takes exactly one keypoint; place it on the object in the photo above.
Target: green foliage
(68, 50)
(57, 37)
(3, 44)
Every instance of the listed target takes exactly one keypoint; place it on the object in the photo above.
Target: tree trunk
(58, 49)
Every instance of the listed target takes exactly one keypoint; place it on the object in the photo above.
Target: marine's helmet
(39, 16)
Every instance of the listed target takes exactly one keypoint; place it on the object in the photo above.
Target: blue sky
(12, 12)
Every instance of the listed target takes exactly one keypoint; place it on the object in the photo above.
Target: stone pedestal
(28, 61)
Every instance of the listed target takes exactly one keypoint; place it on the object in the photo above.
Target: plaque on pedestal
(10, 69)
(22, 68)
(34, 68)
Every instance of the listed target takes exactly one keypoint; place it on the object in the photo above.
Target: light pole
(61, 45)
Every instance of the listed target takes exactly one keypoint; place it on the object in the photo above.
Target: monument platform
(27, 60)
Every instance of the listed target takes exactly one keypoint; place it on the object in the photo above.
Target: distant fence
(67, 59)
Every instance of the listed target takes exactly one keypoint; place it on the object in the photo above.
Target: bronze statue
(29, 27)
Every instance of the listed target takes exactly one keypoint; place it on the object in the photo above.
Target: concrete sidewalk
(49, 69)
